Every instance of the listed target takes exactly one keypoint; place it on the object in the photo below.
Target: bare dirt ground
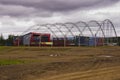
(70, 63)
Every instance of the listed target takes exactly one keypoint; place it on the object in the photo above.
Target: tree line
(6, 42)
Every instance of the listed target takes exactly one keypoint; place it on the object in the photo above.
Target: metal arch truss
(68, 29)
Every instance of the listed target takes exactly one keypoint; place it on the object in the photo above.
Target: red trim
(39, 34)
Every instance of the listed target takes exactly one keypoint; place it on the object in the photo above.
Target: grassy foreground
(59, 63)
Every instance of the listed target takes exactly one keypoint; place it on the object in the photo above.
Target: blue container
(95, 41)
(91, 41)
(83, 41)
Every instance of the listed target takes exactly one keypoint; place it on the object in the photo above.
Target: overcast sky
(18, 15)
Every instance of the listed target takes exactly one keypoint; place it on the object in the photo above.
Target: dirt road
(99, 74)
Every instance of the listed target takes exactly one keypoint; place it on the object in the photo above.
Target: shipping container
(63, 41)
(98, 41)
(81, 41)
(36, 39)
(92, 41)
(17, 40)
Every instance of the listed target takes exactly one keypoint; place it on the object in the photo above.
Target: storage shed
(36, 39)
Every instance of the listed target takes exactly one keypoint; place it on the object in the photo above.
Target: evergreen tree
(119, 41)
(2, 40)
(10, 40)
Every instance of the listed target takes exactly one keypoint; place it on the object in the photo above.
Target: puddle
(106, 56)
(54, 55)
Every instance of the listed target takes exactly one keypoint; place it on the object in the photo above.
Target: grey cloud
(59, 5)
(21, 11)
(12, 10)
(46, 8)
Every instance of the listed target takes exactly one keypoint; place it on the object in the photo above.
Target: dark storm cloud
(59, 5)
(21, 11)
(40, 7)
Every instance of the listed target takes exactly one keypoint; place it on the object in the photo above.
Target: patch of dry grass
(51, 61)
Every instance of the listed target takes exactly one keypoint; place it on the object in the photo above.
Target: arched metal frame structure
(70, 29)
(109, 32)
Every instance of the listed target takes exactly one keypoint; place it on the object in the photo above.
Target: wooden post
(79, 40)
(40, 40)
(18, 41)
(65, 41)
(95, 40)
